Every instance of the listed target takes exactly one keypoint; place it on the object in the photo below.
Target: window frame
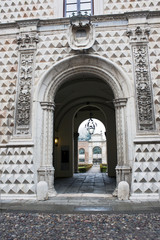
(78, 7)
(80, 153)
(99, 148)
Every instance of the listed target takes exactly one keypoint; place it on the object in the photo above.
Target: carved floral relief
(26, 47)
(139, 41)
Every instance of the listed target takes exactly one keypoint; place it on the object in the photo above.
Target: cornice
(27, 22)
(66, 21)
(138, 14)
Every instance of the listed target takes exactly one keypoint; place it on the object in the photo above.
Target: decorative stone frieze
(27, 45)
(139, 42)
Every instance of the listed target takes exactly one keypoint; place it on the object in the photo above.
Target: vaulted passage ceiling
(85, 91)
(83, 88)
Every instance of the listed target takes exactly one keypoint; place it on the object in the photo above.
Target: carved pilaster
(48, 111)
(120, 105)
(139, 42)
(46, 171)
(123, 171)
(27, 46)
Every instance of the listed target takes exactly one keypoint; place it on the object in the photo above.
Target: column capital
(120, 102)
(48, 106)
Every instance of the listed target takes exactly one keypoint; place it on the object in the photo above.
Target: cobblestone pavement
(19, 226)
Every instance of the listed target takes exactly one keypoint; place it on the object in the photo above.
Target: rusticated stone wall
(17, 170)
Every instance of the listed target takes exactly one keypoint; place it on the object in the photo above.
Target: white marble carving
(81, 34)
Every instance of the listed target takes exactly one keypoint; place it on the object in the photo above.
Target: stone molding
(45, 22)
(28, 22)
(48, 106)
(121, 102)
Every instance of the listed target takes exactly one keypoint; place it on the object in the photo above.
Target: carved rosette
(139, 41)
(27, 46)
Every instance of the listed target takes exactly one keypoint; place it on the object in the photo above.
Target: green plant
(103, 168)
(82, 168)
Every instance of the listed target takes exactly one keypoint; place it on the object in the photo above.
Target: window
(81, 151)
(75, 6)
(97, 150)
(82, 160)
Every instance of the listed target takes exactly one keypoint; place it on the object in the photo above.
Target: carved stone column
(76, 134)
(46, 171)
(123, 170)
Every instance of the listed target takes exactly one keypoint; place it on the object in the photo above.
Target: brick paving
(19, 226)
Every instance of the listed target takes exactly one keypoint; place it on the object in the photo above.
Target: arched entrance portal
(68, 86)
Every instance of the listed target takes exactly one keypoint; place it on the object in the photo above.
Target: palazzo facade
(93, 151)
(56, 68)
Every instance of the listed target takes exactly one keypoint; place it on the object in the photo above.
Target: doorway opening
(92, 149)
(74, 104)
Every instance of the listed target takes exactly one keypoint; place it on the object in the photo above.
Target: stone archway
(44, 107)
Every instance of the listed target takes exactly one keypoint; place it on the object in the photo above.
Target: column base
(46, 173)
(123, 173)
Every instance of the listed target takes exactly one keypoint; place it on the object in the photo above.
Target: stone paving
(91, 182)
(18, 226)
(82, 210)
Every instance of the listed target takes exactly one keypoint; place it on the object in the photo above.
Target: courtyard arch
(106, 78)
